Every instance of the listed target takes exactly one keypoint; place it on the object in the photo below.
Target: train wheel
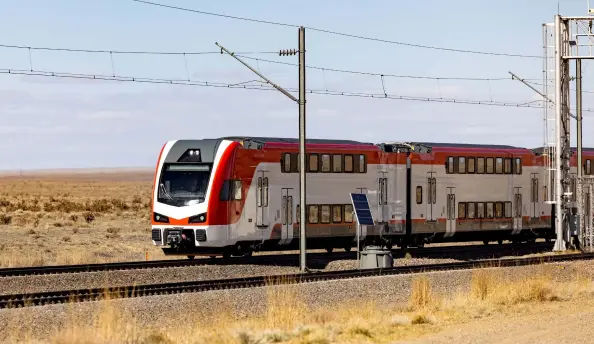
(227, 254)
(486, 242)
(329, 249)
(347, 248)
(191, 257)
(500, 241)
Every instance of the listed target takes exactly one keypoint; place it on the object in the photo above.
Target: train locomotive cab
(187, 215)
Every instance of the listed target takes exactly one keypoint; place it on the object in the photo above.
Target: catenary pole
(302, 154)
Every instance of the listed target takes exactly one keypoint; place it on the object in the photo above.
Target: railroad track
(84, 295)
(277, 259)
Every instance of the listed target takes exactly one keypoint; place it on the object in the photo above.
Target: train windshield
(183, 184)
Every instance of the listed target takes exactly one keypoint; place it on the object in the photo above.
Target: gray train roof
(296, 140)
(540, 150)
(464, 145)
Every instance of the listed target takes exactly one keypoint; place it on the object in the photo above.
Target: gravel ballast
(169, 310)
(86, 280)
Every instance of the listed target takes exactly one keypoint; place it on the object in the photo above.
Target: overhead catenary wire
(131, 52)
(243, 55)
(99, 77)
(381, 40)
(377, 74)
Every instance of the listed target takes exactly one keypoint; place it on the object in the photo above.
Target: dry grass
(288, 320)
(72, 220)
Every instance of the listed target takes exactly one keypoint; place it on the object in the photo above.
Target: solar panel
(362, 209)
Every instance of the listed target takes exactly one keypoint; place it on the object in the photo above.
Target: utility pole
(578, 100)
(302, 156)
(302, 153)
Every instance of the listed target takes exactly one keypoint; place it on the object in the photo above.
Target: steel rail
(262, 259)
(85, 295)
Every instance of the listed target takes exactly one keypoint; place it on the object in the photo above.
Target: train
(233, 196)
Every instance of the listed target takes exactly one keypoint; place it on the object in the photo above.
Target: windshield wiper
(165, 192)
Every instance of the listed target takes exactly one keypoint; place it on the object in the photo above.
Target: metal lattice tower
(549, 125)
(567, 39)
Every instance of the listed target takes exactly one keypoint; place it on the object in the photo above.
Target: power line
(377, 74)
(242, 54)
(128, 52)
(335, 32)
(263, 88)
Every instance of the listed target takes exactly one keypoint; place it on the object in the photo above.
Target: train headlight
(200, 218)
(160, 218)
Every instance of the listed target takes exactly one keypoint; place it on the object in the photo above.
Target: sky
(73, 123)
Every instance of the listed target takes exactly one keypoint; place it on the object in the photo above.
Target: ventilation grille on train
(201, 235)
(156, 234)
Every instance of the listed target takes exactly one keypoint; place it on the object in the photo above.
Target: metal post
(559, 243)
(578, 100)
(302, 156)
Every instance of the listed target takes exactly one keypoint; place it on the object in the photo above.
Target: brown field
(495, 307)
(71, 217)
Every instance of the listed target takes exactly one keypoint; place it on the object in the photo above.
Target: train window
(518, 166)
(419, 194)
(294, 162)
(313, 214)
(490, 165)
(573, 186)
(471, 167)
(298, 214)
(480, 210)
(461, 210)
(362, 166)
(237, 190)
(498, 210)
(588, 166)
(534, 195)
(507, 166)
(314, 162)
(284, 211)
(480, 165)
(508, 209)
(471, 210)
(337, 163)
(489, 210)
(337, 213)
(286, 162)
(348, 163)
(265, 191)
(462, 165)
(259, 192)
(450, 164)
(290, 210)
(499, 165)
(325, 214)
(348, 213)
(325, 163)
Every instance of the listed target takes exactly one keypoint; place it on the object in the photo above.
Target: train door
(262, 218)
(450, 211)
(382, 197)
(431, 197)
(517, 210)
(286, 216)
(534, 208)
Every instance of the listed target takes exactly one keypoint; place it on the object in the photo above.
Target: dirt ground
(75, 217)
(552, 323)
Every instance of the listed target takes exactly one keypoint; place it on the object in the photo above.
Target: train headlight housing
(200, 218)
(160, 218)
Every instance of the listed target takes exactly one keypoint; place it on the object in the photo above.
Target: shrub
(89, 217)
(5, 219)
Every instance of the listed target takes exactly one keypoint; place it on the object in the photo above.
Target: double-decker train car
(236, 195)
